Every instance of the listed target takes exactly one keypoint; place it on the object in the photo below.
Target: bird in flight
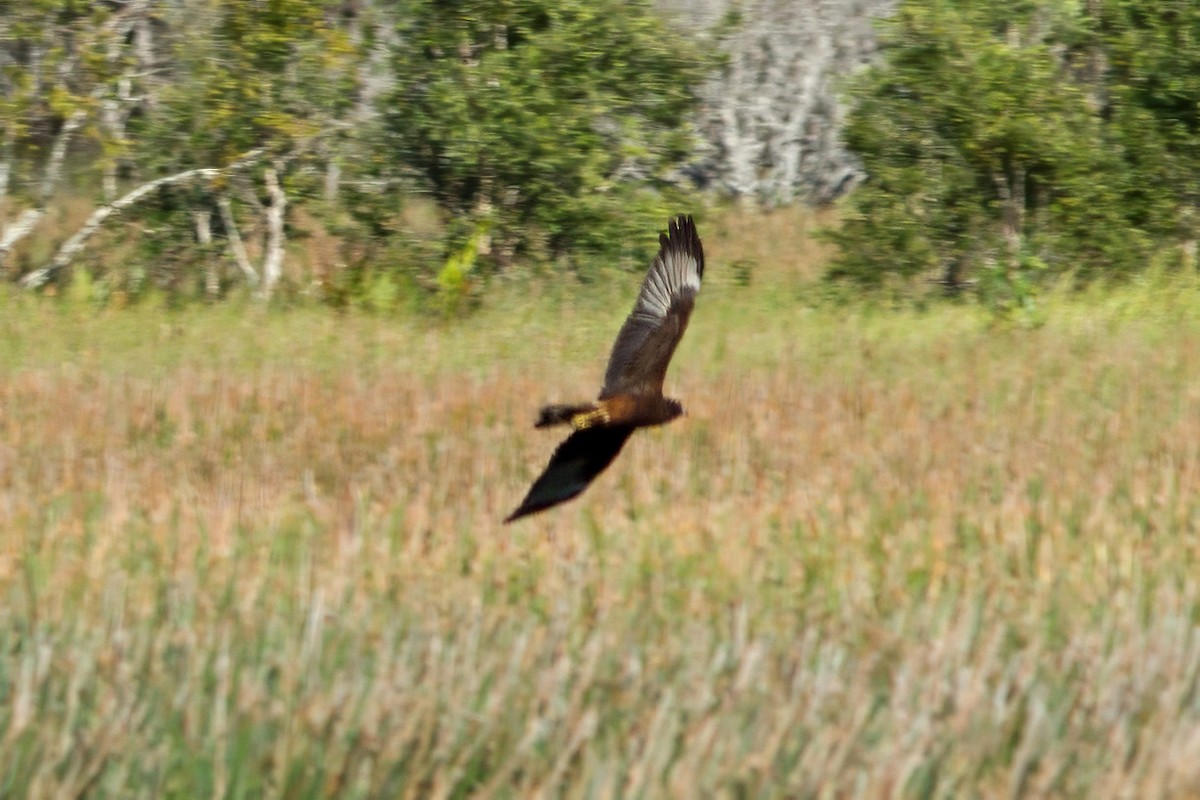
(632, 396)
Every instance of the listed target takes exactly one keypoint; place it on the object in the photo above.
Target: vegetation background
(286, 281)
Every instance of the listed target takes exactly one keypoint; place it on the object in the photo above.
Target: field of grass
(887, 553)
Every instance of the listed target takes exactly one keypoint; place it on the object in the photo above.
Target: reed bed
(886, 554)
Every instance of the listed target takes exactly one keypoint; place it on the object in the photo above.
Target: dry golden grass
(776, 245)
(884, 555)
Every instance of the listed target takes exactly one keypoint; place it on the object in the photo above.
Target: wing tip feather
(683, 238)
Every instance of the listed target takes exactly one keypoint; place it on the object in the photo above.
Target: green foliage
(380, 292)
(455, 280)
(52, 64)
(245, 75)
(1154, 65)
(1010, 144)
(555, 123)
(539, 129)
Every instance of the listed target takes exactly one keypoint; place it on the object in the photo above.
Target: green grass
(248, 553)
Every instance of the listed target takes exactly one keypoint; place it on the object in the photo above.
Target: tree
(59, 61)
(265, 78)
(993, 151)
(186, 100)
(1153, 86)
(199, 127)
(552, 125)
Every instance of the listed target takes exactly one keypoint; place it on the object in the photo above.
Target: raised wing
(578, 460)
(647, 340)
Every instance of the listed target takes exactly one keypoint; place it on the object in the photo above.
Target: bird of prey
(632, 396)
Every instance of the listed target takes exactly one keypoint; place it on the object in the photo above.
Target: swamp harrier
(632, 396)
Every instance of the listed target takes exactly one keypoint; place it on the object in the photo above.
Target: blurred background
(402, 154)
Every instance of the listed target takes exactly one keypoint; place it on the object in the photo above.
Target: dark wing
(577, 461)
(648, 338)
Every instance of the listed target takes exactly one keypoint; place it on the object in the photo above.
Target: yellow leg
(589, 418)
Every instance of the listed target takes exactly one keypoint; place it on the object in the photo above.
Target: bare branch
(235, 240)
(75, 244)
(29, 218)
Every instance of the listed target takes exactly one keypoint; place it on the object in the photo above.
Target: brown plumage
(632, 396)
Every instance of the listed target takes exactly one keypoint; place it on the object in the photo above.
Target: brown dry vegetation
(886, 554)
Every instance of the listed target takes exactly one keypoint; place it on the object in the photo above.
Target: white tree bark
(203, 221)
(110, 115)
(79, 239)
(116, 29)
(28, 219)
(143, 43)
(273, 261)
(6, 162)
(58, 153)
(128, 30)
(113, 115)
(771, 120)
(333, 178)
(110, 121)
(240, 257)
(18, 230)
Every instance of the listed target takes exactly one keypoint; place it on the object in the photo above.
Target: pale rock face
(771, 120)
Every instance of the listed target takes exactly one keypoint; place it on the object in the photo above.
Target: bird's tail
(566, 414)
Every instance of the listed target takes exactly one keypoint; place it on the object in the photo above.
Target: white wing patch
(671, 276)
(660, 313)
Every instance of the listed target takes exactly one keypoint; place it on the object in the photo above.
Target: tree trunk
(771, 120)
(333, 178)
(143, 50)
(952, 283)
(58, 153)
(29, 218)
(273, 261)
(76, 242)
(212, 280)
(6, 162)
(112, 119)
(240, 257)
(110, 114)
(1011, 190)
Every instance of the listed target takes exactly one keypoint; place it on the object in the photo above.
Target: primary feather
(648, 338)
